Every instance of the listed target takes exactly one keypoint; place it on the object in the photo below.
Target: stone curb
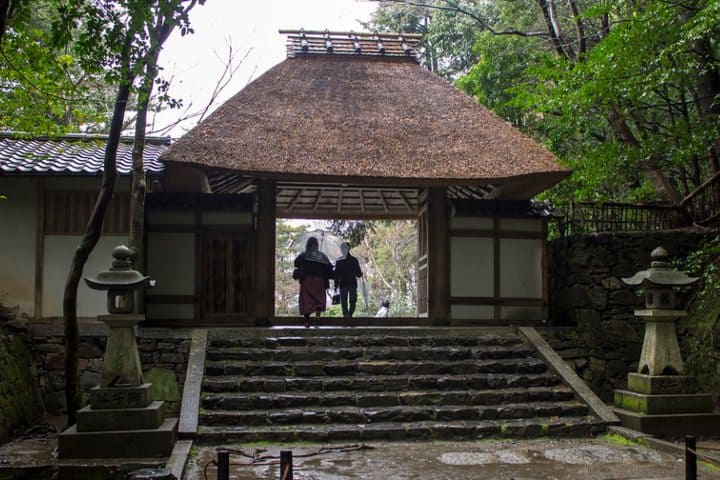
(190, 406)
(179, 457)
(654, 442)
(557, 365)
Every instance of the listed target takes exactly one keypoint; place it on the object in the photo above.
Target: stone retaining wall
(603, 338)
(20, 403)
(163, 354)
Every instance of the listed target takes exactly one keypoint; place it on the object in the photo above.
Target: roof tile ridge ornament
(355, 41)
(405, 47)
(380, 44)
(328, 42)
(304, 45)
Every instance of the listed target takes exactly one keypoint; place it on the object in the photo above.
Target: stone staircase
(356, 384)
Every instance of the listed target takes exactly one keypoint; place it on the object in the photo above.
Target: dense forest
(624, 92)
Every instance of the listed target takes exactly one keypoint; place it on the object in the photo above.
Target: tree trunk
(551, 28)
(139, 185)
(579, 27)
(6, 7)
(652, 171)
(708, 87)
(88, 242)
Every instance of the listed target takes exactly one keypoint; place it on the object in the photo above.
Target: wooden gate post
(438, 257)
(264, 278)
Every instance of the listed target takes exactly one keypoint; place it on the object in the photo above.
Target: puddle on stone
(482, 458)
(592, 454)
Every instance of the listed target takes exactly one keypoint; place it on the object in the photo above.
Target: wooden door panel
(225, 274)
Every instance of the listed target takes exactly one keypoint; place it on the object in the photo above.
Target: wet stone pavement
(559, 459)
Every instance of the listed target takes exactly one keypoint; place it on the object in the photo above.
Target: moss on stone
(164, 384)
(20, 403)
(617, 439)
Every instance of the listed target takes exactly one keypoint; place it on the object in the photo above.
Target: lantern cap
(121, 276)
(660, 273)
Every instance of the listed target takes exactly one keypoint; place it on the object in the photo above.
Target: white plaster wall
(521, 225)
(478, 223)
(83, 183)
(58, 253)
(171, 262)
(472, 312)
(471, 267)
(521, 314)
(18, 232)
(521, 268)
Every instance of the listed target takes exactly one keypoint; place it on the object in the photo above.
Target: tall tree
(125, 38)
(45, 90)
(624, 92)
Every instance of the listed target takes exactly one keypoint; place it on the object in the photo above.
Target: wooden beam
(317, 199)
(382, 198)
(294, 199)
(405, 200)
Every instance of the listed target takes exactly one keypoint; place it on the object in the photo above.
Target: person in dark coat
(313, 270)
(347, 271)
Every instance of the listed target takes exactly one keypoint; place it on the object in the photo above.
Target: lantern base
(666, 406)
(663, 404)
(156, 442)
(674, 425)
(661, 384)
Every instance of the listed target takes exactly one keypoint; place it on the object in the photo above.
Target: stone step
(375, 367)
(402, 414)
(361, 340)
(376, 383)
(392, 431)
(295, 354)
(250, 401)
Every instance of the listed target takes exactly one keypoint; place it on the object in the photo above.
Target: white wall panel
(477, 223)
(58, 253)
(471, 312)
(18, 224)
(521, 314)
(521, 268)
(521, 225)
(471, 267)
(171, 262)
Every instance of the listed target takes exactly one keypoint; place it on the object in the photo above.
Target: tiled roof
(72, 155)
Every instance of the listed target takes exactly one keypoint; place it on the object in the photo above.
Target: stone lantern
(660, 398)
(664, 304)
(121, 363)
(122, 419)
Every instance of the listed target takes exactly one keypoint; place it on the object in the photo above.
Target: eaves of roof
(77, 154)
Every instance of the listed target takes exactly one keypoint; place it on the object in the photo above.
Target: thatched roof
(361, 119)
